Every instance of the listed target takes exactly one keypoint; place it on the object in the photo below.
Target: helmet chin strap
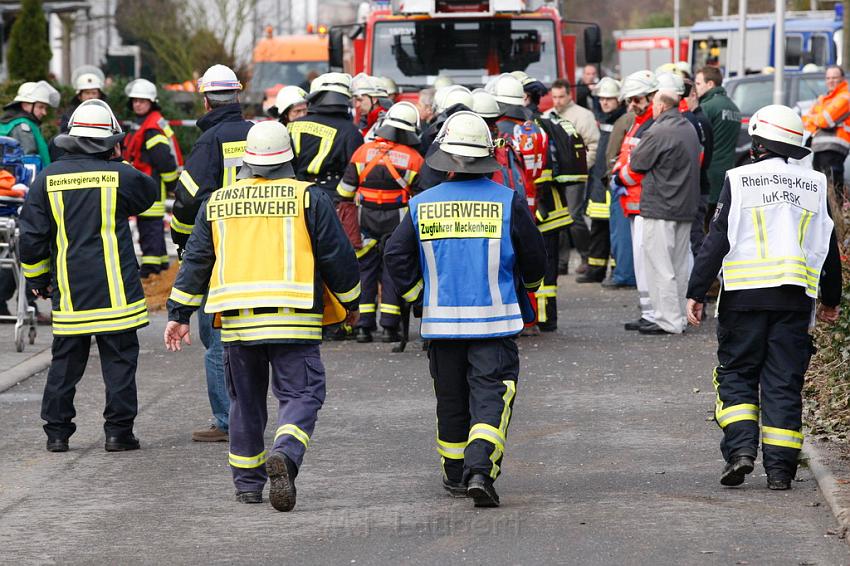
(758, 152)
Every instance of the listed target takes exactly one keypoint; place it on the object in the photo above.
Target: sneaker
(57, 444)
(210, 434)
(455, 488)
(480, 489)
(778, 482)
(389, 335)
(636, 325)
(281, 472)
(121, 443)
(736, 470)
(653, 330)
(364, 335)
(249, 496)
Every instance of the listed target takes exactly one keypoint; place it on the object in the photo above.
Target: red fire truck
(415, 41)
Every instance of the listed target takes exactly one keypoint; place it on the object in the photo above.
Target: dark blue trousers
(298, 383)
(371, 273)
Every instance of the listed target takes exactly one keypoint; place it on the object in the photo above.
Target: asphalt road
(611, 459)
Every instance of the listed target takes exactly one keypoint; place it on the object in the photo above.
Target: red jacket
(631, 179)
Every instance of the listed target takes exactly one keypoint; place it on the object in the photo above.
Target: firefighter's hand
(828, 314)
(695, 310)
(175, 335)
(352, 317)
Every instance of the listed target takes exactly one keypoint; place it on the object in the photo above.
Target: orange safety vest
(631, 179)
(392, 156)
(827, 120)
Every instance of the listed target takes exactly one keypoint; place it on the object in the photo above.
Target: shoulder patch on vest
(26, 127)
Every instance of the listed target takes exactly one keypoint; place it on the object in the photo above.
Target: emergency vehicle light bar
(481, 7)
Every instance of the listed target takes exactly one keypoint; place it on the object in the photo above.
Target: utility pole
(725, 9)
(845, 41)
(742, 34)
(676, 30)
(779, 54)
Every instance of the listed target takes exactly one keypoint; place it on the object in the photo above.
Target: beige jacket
(585, 124)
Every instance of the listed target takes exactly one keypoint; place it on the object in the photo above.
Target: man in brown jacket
(623, 274)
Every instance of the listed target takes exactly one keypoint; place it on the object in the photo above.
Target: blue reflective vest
(468, 260)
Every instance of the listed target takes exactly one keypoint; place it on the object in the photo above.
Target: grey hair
(426, 96)
(669, 101)
(221, 97)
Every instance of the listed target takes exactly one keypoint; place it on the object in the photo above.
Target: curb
(25, 369)
(828, 486)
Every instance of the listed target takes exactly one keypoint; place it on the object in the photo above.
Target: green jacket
(725, 120)
(28, 132)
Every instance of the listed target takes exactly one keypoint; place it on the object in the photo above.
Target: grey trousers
(666, 262)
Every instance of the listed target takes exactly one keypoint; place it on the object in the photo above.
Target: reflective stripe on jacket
(631, 179)
(779, 227)
(827, 120)
(75, 236)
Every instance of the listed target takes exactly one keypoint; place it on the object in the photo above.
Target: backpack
(569, 152)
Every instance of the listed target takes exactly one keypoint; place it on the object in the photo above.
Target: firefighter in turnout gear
(76, 245)
(772, 239)
(325, 139)
(270, 299)
(471, 249)
(380, 179)
(637, 91)
(152, 149)
(22, 118)
(213, 163)
(529, 138)
(599, 197)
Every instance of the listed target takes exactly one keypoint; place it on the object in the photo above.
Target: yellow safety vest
(261, 215)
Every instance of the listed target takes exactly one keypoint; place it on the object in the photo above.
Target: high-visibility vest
(468, 260)
(779, 228)
(269, 213)
(632, 179)
(827, 120)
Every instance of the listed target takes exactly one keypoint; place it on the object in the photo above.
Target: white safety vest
(779, 228)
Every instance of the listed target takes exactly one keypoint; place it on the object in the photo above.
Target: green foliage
(657, 20)
(29, 52)
(827, 388)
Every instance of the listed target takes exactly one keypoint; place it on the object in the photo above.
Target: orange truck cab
(285, 60)
(415, 41)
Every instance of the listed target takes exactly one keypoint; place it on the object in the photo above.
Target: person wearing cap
(152, 148)
(381, 178)
(76, 246)
(271, 300)
(470, 249)
(325, 139)
(599, 197)
(212, 164)
(637, 91)
(22, 118)
(772, 239)
(668, 158)
(290, 103)
(88, 82)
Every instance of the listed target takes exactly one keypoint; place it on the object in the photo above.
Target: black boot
(121, 443)
(390, 335)
(364, 335)
(455, 488)
(592, 275)
(480, 489)
(736, 470)
(282, 474)
(57, 444)
(249, 496)
(778, 482)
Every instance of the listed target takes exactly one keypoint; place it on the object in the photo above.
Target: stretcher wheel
(19, 339)
(32, 334)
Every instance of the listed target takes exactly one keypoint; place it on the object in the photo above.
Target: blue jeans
(214, 363)
(621, 246)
